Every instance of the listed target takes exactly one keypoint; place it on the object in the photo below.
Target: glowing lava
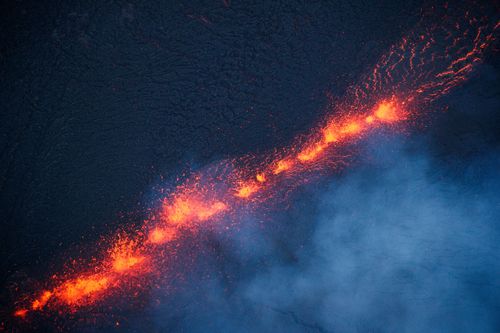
(125, 257)
(160, 235)
(39, 303)
(78, 291)
(247, 190)
(386, 112)
(422, 67)
(187, 209)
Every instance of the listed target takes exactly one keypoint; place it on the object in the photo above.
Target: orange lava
(350, 128)
(369, 119)
(186, 209)
(192, 206)
(282, 165)
(260, 177)
(408, 77)
(310, 153)
(80, 290)
(21, 313)
(160, 235)
(125, 257)
(39, 303)
(246, 190)
(388, 112)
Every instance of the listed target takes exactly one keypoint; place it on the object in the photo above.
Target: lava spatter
(426, 64)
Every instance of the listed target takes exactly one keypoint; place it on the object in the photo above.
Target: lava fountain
(425, 65)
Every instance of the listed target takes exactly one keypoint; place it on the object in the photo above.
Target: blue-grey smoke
(404, 241)
(398, 246)
(398, 250)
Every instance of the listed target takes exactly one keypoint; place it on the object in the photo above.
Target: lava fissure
(415, 72)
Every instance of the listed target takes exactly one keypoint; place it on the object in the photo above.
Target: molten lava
(247, 189)
(387, 112)
(39, 303)
(185, 210)
(160, 235)
(79, 291)
(421, 68)
(125, 257)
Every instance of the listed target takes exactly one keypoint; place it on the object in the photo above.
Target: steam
(395, 246)
(398, 250)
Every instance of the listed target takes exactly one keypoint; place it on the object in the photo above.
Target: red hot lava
(421, 68)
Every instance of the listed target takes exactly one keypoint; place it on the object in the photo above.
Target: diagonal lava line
(413, 74)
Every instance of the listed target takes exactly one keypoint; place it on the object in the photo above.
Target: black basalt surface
(101, 98)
